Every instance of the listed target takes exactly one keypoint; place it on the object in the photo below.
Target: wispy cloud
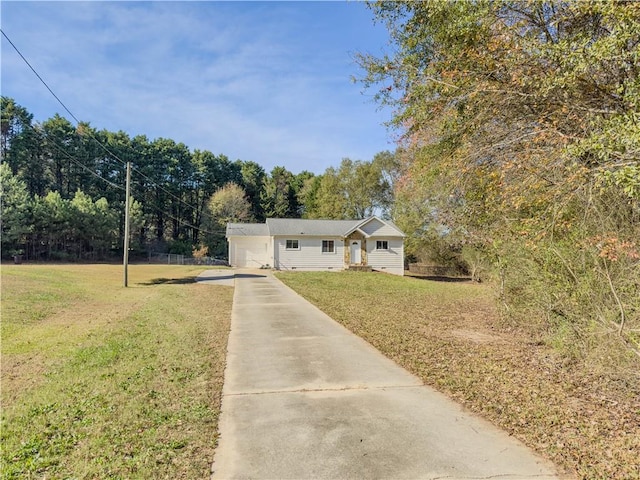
(267, 82)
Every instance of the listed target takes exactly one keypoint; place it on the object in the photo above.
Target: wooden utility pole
(127, 204)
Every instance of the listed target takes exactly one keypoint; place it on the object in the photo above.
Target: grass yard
(585, 418)
(102, 381)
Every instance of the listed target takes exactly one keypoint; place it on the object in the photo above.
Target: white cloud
(263, 82)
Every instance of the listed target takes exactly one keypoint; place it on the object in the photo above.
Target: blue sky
(268, 82)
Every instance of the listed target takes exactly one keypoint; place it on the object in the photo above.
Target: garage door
(251, 255)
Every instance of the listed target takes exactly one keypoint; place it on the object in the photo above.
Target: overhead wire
(152, 205)
(70, 157)
(93, 136)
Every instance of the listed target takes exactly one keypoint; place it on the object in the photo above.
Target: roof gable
(374, 226)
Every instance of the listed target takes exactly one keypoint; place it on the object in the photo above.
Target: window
(382, 245)
(293, 245)
(328, 246)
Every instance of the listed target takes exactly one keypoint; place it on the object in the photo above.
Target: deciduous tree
(229, 204)
(520, 122)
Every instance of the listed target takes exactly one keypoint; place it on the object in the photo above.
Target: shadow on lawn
(171, 281)
(187, 280)
(229, 277)
(439, 278)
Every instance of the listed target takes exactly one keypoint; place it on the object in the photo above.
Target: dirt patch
(14, 379)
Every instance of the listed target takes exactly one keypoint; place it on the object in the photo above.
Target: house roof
(298, 227)
(247, 230)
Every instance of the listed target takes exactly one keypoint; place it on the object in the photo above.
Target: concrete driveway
(305, 398)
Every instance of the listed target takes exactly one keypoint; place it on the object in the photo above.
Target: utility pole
(127, 204)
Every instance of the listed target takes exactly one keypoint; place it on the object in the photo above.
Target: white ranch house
(298, 244)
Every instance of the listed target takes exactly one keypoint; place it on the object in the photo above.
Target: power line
(90, 134)
(70, 157)
(150, 204)
(57, 98)
(37, 75)
(187, 224)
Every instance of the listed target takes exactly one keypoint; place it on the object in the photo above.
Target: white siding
(249, 252)
(389, 261)
(309, 256)
(379, 229)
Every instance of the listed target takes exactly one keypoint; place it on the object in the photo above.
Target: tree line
(63, 191)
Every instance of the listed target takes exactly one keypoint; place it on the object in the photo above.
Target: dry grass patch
(584, 417)
(99, 381)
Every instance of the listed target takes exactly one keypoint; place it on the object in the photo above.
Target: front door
(356, 254)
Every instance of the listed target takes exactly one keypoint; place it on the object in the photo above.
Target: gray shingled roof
(297, 226)
(247, 229)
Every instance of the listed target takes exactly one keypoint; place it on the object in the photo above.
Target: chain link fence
(176, 259)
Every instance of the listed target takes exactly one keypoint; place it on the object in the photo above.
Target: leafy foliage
(521, 143)
(357, 189)
(229, 204)
(15, 213)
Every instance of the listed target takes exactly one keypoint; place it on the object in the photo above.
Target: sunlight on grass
(108, 382)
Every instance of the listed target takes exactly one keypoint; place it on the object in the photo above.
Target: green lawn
(583, 418)
(102, 381)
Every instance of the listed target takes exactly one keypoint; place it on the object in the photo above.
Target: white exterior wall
(309, 256)
(249, 252)
(389, 261)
